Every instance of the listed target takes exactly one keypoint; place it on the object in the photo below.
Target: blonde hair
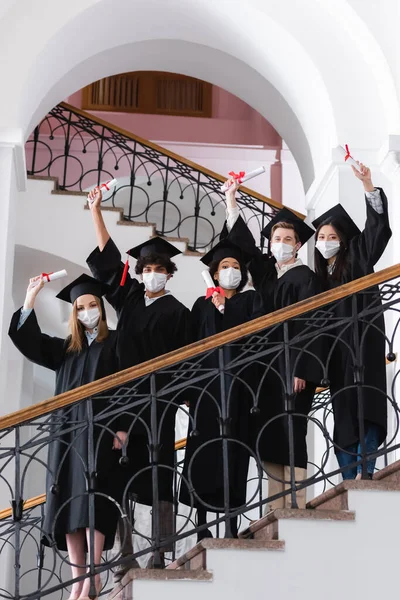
(285, 225)
(77, 330)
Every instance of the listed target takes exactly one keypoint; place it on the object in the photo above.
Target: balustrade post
(91, 487)
(289, 409)
(225, 432)
(154, 449)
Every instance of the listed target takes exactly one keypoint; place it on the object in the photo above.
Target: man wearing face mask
(203, 465)
(281, 280)
(151, 322)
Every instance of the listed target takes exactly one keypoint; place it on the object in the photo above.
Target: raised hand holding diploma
(363, 173)
(95, 198)
(34, 287)
(102, 188)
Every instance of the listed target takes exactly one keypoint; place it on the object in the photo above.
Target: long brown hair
(341, 268)
(77, 330)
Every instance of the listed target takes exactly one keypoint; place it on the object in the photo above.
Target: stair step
(266, 528)
(389, 473)
(196, 557)
(123, 591)
(337, 498)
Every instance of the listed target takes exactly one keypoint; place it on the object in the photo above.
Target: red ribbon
(46, 275)
(210, 291)
(124, 273)
(238, 176)
(348, 155)
(106, 185)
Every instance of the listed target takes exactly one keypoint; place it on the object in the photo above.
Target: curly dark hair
(213, 267)
(155, 259)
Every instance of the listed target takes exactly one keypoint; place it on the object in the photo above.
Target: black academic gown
(67, 463)
(271, 434)
(363, 253)
(145, 332)
(206, 467)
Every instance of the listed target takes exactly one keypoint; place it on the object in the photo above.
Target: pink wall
(234, 122)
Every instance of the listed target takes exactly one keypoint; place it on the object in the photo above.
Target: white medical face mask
(89, 318)
(230, 278)
(154, 282)
(282, 252)
(328, 249)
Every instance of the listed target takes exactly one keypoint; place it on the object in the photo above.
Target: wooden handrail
(181, 159)
(192, 350)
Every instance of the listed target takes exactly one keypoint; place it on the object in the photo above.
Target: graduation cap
(304, 231)
(84, 284)
(337, 213)
(225, 249)
(156, 245)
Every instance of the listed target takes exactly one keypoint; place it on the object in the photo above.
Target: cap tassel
(125, 273)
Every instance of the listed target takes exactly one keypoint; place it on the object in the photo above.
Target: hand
(218, 300)
(233, 187)
(95, 197)
(120, 440)
(364, 176)
(298, 385)
(34, 287)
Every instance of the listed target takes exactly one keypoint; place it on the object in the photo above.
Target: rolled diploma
(210, 284)
(108, 185)
(246, 177)
(53, 276)
(105, 187)
(350, 160)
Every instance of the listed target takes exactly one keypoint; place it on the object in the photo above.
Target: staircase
(344, 545)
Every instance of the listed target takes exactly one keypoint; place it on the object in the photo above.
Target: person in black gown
(86, 355)
(204, 463)
(281, 280)
(344, 253)
(151, 322)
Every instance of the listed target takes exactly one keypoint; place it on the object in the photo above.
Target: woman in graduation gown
(281, 280)
(86, 355)
(343, 254)
(151, 322)
(204, 463)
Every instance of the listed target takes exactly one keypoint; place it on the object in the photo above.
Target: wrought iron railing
(244, 358)
(182, 198)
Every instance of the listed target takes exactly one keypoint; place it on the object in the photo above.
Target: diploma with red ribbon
(211, 288)
(242, 176)
(106, 187)
(47, 277)
(348, 158)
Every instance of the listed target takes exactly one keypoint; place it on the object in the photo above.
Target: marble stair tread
(222, 544)
(336, 497)
(270, 521)
(392, 471)
(157, 575)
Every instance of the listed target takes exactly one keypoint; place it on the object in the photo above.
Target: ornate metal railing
(244, 362)
(182, 198)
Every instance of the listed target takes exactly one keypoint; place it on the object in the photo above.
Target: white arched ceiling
(300, 64)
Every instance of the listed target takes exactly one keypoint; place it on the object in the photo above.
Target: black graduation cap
(224, 249)
(156, 245)
(285, 215)
(338, 213)
(84, 284)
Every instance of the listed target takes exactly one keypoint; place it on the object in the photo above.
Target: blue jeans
(353, 453)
